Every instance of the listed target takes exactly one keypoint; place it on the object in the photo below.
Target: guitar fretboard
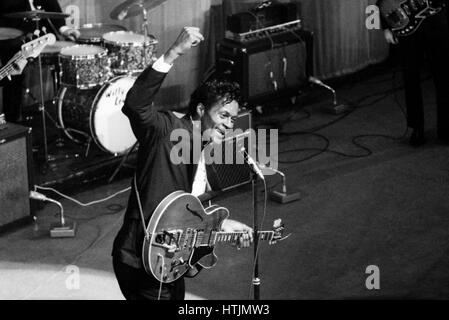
(9, 68)
(234, 236)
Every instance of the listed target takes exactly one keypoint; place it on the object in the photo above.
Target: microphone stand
(336, 108)
(60, 229)
(255, 172)
(282, 196)
(256, 279)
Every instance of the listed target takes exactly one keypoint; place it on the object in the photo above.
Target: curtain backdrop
(343, 44)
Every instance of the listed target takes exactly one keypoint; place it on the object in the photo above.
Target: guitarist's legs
(136, 284)
(411, 54)
(437, 36)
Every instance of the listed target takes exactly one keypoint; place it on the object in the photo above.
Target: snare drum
(128, 53)
(92, 33)
(84, 66)
(97, 113)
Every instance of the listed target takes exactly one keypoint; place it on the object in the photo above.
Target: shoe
(417, 138)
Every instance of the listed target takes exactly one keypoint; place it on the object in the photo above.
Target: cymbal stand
(42, 102)
(146, 32)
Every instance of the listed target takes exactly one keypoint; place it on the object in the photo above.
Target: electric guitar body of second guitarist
(404, 17)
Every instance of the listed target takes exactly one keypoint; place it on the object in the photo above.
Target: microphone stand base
(336, 109)
(281, 197)
(57, 230)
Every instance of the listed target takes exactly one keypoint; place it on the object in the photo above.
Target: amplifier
(16, 175)
(263, 17)
(264, 33)
(270, 67)
(224, 176)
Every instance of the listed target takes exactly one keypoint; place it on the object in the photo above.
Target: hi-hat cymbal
(130, 8)
(36, 14)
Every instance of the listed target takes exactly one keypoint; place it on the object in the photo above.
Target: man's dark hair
(213, 90)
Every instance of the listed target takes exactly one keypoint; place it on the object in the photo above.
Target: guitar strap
(145, 231)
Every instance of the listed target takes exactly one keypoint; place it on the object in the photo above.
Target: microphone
(315, 80)
(37, 196)
(252, 163)
(320, 83)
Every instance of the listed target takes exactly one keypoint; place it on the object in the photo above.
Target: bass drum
(96, 114)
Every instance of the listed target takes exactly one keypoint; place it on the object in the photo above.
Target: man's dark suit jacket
(156, 175)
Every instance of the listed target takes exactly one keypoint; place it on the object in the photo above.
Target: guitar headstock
(278, 230)
(33, 48)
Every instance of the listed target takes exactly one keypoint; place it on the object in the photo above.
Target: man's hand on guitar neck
(18, 65)
(390, 37)
(246, 239)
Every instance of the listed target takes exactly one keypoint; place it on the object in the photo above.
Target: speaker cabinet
(15, 175)
(269, 67)
(226, 176)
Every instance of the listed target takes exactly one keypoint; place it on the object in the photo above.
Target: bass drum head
(110, 128)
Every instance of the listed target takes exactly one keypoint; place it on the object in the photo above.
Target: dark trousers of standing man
(136, 284)
(431, 39)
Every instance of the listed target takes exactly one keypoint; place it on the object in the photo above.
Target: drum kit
(92, 76)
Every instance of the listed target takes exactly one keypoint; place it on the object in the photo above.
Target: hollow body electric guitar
(404, 17)
(181, 236)
(28, 50)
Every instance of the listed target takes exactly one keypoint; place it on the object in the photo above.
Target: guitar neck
(232, 237)
(9, 68)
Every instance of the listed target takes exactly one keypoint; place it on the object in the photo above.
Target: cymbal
(130, 8)
(36, 14)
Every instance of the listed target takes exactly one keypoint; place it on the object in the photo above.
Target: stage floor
(389, 209)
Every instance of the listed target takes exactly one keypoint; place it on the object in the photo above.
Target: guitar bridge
(168, 240)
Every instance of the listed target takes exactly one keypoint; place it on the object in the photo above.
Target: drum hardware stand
(146, 32)
(122, 163)
(88, 144)
(60, 139)
(42, 102)
(60, 144)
